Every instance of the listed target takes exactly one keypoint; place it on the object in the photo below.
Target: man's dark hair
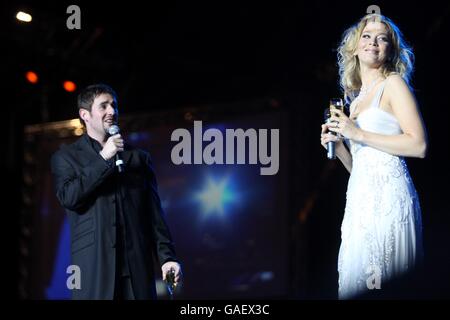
(87, 96)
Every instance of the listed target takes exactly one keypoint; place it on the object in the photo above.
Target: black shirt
(121, 239)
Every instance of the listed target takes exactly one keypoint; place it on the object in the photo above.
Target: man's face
(103, 114)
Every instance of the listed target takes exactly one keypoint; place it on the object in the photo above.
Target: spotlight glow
(69, 86)
(215, 196)
(24, 17)
(32, 77)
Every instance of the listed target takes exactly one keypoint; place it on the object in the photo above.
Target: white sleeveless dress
(382, 227)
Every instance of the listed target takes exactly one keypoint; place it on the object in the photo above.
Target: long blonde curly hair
(400, 56)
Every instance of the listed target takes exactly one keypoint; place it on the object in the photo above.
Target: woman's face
(373, 46)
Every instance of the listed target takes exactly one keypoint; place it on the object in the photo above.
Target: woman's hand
(340, 123)
(341, 152)
(326, 137)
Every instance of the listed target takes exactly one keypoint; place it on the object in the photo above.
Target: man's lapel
(126, 156)
(86, 153)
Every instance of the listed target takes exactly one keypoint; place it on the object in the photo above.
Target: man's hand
(113, 145)
(172, 265)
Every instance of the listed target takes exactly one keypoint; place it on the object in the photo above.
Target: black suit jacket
(86, 187)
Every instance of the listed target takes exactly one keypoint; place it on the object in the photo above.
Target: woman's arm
(341, 151)
(346, 158)
(411, 143)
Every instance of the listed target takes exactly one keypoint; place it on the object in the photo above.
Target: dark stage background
(242, 64)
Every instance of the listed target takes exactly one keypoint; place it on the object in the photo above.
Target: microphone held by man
(113, 147)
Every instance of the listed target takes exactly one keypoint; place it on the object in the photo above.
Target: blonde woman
(381, 229)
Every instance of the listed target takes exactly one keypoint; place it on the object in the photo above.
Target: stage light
(69, 86)
(24, 17)
(32, 77)
(78, 131)
(215, 196)
(75, 123)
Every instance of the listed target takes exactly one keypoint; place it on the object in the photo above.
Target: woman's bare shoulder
(395, 80)
(396, 86)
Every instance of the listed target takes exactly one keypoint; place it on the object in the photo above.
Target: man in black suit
(116, 219)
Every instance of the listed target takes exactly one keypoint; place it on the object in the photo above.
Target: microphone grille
(114, 129)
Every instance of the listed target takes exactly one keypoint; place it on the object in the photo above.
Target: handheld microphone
(331, 145)
(170, 281)
(114, 129)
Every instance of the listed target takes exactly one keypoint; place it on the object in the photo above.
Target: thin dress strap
(377, 99)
